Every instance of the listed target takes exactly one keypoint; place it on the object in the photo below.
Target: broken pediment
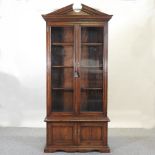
(68, 12)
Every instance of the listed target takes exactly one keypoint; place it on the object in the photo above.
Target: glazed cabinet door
(77, 69)
(91, 69)
(62, 68)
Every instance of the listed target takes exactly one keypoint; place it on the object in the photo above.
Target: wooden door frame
(49, 72)
(105, 78)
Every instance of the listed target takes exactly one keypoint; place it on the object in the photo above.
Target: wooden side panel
(92, 133)
(61, 133)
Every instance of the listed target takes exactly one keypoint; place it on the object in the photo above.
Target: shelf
(91, 66)
(67, 89)
(84, 44)
(70, 89)
(62, 44)
(62, 66)
(59, 66)
(92, 44)
(91, 88)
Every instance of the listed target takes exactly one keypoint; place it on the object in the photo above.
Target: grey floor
(30, 141)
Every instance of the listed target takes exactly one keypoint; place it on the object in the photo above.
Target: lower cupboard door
(92, 134)
(61, 133)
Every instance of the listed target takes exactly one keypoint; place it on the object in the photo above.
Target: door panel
(92, 133)
(63, 100)
(61, 133)
(84, 133)
(91, 77)
(91, 69)
(91, 56)
(62, 78)
(62, 68)
(91, 34)
(62, 55)
(91, 100)
(62, 34)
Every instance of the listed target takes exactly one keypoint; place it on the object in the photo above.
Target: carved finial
(77, 7)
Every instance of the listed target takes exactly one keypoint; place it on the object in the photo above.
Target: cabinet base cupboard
(77, 76)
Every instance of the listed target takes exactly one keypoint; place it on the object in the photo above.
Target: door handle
(76, 72)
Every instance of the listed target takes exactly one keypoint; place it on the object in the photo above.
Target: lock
(76, 74)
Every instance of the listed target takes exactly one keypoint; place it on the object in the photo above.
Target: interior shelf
(70, 44)
(91, 88)
(92, 44)
(62, 66)
(67, 89)
(62, 44)
(91, 66)
(59, 66)
(71, 89)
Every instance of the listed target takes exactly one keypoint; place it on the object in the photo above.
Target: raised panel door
(92, 133)
(61, 133)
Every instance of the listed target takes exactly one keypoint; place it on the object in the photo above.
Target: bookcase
(77, 78)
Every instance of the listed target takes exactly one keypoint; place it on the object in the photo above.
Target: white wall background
(131, 61)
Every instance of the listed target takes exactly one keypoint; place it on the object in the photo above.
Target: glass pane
(62, 100)
(91, 77)
(62, 55)
(62, 77)
(62, 89)
(92, 34)
(91, 100)
(91, 69)
(62, 34)
(92, 56)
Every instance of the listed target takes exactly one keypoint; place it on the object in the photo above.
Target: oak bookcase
(77, 76)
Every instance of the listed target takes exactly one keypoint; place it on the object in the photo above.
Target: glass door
(62, 68)
(91, 69)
